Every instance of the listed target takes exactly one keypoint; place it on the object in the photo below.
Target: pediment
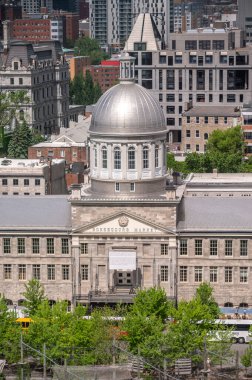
(123, 223)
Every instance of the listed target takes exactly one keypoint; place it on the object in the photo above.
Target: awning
(179, 53)
(193, 53)
(223, 53)
(123, 260)
(209, 53)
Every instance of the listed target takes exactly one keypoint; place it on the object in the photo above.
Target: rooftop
(27, 163)
(213, 111)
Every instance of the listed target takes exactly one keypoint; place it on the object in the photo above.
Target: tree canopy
(34, 295)
(90, 47)
(83, 90)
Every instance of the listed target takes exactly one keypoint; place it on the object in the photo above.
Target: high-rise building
(245, 19)
(112, 20)
(33, 6)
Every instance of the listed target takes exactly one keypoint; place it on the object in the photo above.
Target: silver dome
(127, 108)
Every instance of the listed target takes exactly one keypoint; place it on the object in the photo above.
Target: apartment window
(132, 187)
(243, 248)
(200, 98)
(170, 80)
(198, 247)
(36, 271)
(37, 182)
(197, 148)
(197, 133)
(210, 98)
(200, 80)
(170, 98)
(206, 119)
(65, 272)
(188, 147)
(160, 97)
(208, 59)
(204, 44)
(183, 247)
(180, 98)
(188, 133)
(104, 158)
(210, 80)
(193, 59)
(164, 273)
(170, 61)
(164, 249)
(26, 182)
(183, 270)
(231, 98)
(138, 46)
(7, 269)
(20, 80)
(6, 245)
(11, 80)
(213, 247)
(190, 45)
(62, 153)
(228, 274)
(188, 119)
(50, 246)
(35, 245)
(244, 274)
(84, 272)
(21, 245)
(84, 248)
(178, 59)
(4, 181)
(218, 44)
(216, 120)
(64, 246)
(131, 158)
(220, 98)
(198, 274)
(170, 109)
(228, 247)
(15, 182)
(50, 272)
(146, 58)
(145, 157)
(117, 158)
(221, 80)
(197, 119)
(225, 119)
(22, 272)
(213, 274)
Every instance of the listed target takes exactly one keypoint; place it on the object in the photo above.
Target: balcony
(113, 295)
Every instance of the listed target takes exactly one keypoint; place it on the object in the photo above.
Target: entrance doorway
(123, 278)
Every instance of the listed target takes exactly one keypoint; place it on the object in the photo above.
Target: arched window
(117, 158)
(156, 156)
(205, 136)
(104, 158)
(131, 158)
(95, 156)
(145, 157)
(228, 304)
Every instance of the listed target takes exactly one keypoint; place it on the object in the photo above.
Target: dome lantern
(127, 68)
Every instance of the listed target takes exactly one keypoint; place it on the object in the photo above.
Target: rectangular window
(200, 98)
(213, 274)
(5, 182)
(22, 272)
(7, 268)
(244, 274)
(198, 247)
(84, 248)
(20, 80)
(198, 274)
(64, 246)
(50, 246)
(218, 44)
(164, 273)
(132, 187)
(170, 98)
(243, 248)
(183, 274)
(190, 45)
(37, 182)
(204, 44)
(21, 245)
(197, 133)
(228, 247)
(213, 247)
(65, 272)
(6, 245)
(206, 119)
(164, 249)
(15, 182)
(26, 182)
(197, 148)
(35, 245)
(183, 247)
(188, 133)
(170, 109)
(36, 271)
(197, 119)
(84, 272)
(216, 120)
(170, 81)
(228, 274)
(117, 186)
(51, 272)
(231, 98)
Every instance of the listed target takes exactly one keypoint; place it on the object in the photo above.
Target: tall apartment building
(112, 20)
(33, 6)
(245, 19)
(207, 67)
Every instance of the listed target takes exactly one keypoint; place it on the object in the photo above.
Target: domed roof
(127, 108)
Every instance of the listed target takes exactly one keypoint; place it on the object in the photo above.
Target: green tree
(34, 295)
(20, 141)
(204, 294)
(89, 47)
(77, 89)
(83, 90)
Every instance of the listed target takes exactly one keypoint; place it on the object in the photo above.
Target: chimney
(6, 35)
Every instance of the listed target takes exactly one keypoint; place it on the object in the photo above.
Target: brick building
(78, 65)
(32, 30)
(106, 74)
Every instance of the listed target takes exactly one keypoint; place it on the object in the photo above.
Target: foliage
(225, 152)
(34, 295)
(219, 346)
(87, 46)
(83, 91)
(10, 334)
(204, 294)
(174, 165)
(20, 141)
(37, 138)
(246, 358)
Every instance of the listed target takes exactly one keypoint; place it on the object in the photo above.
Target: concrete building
(246, 124)
(32, 177)
(207, 67)
(244, 19)
(199, 122)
